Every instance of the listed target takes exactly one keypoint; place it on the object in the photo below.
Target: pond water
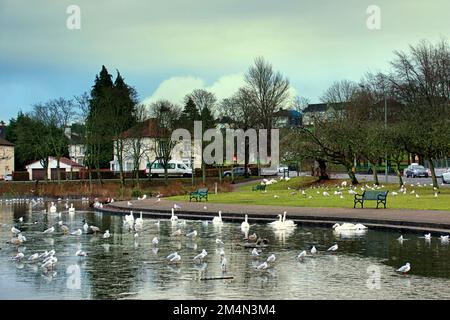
(125, 267)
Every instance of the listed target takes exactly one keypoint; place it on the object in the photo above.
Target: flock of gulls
(47, 260)
(351, 190)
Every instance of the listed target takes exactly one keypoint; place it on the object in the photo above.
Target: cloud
(175, 89)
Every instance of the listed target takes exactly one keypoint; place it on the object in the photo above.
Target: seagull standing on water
(404, 269)
(77, 233)
(271, 258)
(313, 250)
(262, 266)
(192, 234)
(49, 230)
(255, 252)
(333, 247)
(301, 255)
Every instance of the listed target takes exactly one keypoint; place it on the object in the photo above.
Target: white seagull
(404, 269)
(333, 247)
(301, 255)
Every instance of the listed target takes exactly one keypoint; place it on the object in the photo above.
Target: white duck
(71, 209)
(106, 235)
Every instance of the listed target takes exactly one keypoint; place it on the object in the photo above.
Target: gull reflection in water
(174, 268)
(106, 246)
(49, 275)
(155, 251)
(49, 241)
(190, 245)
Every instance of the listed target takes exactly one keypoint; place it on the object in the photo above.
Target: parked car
(446, 176)
(415, 170)
(238, 171)
(268, 171)
(8, 177)
(175, 168)
(282, 167)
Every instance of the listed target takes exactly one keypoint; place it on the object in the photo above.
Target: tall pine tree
(111, 111)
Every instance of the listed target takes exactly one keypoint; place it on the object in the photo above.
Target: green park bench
(199, 194)
(378, 196)
(260, 187)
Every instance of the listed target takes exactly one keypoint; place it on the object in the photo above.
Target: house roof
(64, 160)
(4, 142)
(68, 162)
(322, 107)
(287, 113)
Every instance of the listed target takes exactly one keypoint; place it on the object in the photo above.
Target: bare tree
(421, 80)
(56, 114)
(240, 110)
(269, 91)
(167, 115)
(135, 144)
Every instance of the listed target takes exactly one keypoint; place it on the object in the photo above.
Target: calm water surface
(124, 267)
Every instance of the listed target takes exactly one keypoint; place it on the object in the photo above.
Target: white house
(147, 133)
(37, 172)
(77, 149)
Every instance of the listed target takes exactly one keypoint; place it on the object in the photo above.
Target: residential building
(6, 158)
(146, 134)
(77, 149)
(37, 172)
(287, 118)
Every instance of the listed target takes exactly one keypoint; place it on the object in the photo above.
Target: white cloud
(175, 89)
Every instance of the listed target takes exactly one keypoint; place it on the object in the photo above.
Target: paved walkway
(423, 220)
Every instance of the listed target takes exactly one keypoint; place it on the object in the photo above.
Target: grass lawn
(286, 193)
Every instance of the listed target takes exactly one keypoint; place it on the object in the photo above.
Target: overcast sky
(168, 48)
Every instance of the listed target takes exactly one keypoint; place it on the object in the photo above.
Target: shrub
(136, 193)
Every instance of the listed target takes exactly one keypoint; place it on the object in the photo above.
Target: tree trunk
(351, 174)
(166, 174)
(433, 173)
(398, 172)
(203, 172)
(375, 173)
(58, 172)
(323, 170)
(90, 180)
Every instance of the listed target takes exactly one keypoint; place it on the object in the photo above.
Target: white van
(175, 168)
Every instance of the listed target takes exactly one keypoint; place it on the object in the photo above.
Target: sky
(166, 49)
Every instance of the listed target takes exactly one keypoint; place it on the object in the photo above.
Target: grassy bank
(105, 190)
(287, 193)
